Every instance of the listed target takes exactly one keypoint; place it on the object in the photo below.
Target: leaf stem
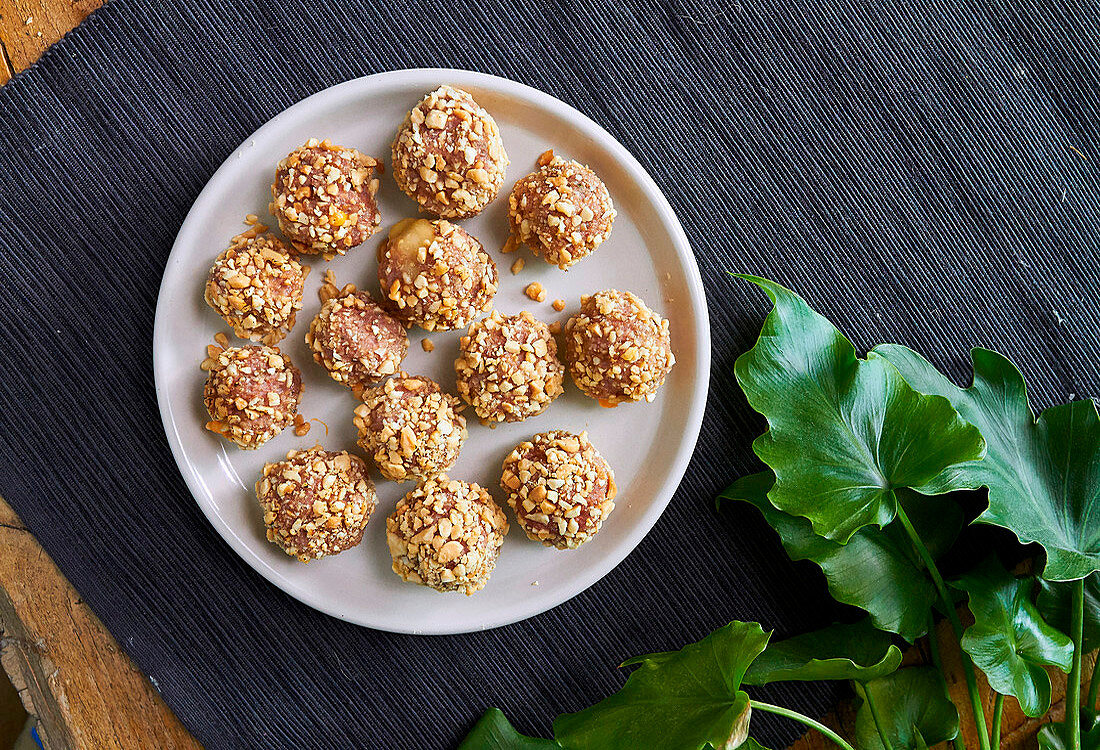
(937, 662)
(1073, 690)
(956, 625)
(802, 718)
(878, 720)
(998, 707)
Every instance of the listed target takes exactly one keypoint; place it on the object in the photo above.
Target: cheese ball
(560, 487)
(252, 393)
(256, 285)
(618, 349)
(447, 535)
(435, 274)
(356, 341)
(316, 502)
(411, 428)
(508, 367)
(448, 156)
(561, 211)
(324, 198)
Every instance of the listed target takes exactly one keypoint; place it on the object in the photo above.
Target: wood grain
(28, 27)
(69, 671)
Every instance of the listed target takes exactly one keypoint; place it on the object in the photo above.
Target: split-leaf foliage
(867, 460)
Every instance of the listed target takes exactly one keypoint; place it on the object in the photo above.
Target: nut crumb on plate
(535, 292)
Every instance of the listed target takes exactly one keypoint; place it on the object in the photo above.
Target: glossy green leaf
(877, 570)
(1009, 639)
(857, 652)
(751, 744)
(844, 432)
(1054, 604)
(1052, 735)
(493, 731)
(912, 707)
(1043, 475)
(676, 700)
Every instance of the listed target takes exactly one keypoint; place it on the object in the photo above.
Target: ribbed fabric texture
(923, 173)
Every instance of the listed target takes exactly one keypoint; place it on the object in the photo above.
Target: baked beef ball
(435, 274)
(252, 393)
(562, 211)
(316, 502)
(618, 349)
(560, 487)
(448, 156)
(256, 285)
(356, 341)
(447, 535)
(508, 367)
(323, 197)
(411, 428)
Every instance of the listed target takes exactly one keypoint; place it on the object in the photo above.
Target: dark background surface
(922, 173)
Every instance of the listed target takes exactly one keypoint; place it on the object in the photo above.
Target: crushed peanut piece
(518, 266)
(534, 291)
(558, 304)
(427, 345)
(301, 426)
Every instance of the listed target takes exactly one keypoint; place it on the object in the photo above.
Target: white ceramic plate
(648, 445)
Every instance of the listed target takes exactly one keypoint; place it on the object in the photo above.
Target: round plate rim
(430, 77)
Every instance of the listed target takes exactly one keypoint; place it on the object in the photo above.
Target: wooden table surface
(70, 672)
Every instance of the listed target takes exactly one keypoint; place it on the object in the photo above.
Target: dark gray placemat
(923, 174)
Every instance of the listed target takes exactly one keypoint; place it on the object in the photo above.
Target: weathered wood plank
(28, 27)
(69, 671)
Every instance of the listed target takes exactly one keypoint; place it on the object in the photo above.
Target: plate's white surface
(648, 445)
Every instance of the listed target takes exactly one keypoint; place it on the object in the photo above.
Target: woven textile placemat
(923, 173)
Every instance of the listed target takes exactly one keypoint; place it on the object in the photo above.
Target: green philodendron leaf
(1042, 475)
(857, 652)
(1009, 639)
(844, 432)
(1052, 735)
(676, 700)
(912, 707)
(877, 570)
(493, 731)
(1054, 604)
